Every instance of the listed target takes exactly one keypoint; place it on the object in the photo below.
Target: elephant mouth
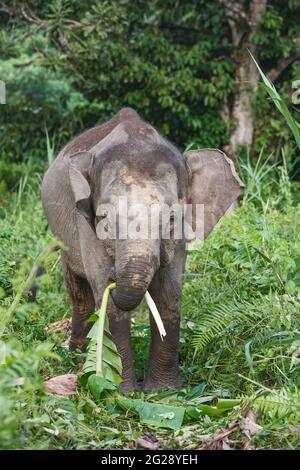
(132, 282)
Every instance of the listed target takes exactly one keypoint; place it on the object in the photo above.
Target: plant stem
(100, 332)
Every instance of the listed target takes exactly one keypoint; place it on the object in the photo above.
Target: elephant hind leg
(83, 305)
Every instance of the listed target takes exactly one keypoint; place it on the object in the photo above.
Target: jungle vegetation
(185, 67)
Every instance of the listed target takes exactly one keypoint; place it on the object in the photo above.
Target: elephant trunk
(135, 266)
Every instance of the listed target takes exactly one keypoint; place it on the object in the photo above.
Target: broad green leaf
(154, 414)
(228, 403)
(195, 412)
(171, 416)
(112, 375)
(98, 385)
(103, 360)
(222, 405)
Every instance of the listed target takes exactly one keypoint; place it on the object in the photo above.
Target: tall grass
(280, 104)
(51, 148)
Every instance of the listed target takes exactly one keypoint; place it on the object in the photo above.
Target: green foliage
(154, 414)
(256, 264)
(174, 64)
(109, 375)
(36, 97)
(240, 308)
(102, 369)
(279, 404)
(225, 318)
(20, 384)
(281, 105)
(171, 410)
(240, 331)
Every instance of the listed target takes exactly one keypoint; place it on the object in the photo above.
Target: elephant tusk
(156, 315)
(151, 305)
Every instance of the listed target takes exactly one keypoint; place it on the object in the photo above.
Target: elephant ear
(79, 171)
(95, 261)
(214, 183)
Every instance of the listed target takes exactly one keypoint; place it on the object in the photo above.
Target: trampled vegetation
(240, 328)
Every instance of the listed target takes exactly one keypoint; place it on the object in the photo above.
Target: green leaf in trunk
(102, 369)
(98, 385)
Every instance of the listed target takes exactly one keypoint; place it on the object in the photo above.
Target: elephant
(126, 157)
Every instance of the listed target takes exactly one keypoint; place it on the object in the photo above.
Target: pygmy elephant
(127, 159)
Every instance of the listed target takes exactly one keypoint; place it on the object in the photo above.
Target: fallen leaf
(64, 385)
(154, 414)
(226, 444)
(63, 326)
(220, 440)
(294, 429)
(149, 442)
(248, 428)
(131, 445)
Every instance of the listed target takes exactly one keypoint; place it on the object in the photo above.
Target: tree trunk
(244, 23)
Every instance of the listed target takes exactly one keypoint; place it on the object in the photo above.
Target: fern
(216, 322)
(279, 404)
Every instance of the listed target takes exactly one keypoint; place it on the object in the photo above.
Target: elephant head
(136, 166)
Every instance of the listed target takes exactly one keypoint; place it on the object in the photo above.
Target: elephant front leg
(119, 325)
(163, 368)
(83, 305)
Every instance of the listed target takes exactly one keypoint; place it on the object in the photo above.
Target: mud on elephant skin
(127, 159)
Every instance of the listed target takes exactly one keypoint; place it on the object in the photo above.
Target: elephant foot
(129, 385)
(150, 384)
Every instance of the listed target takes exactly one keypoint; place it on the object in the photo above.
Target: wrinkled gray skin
(128, 157)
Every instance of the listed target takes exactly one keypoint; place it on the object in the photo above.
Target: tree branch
(175, 27)
(275, 72)
(30, 17)
(283, 64)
